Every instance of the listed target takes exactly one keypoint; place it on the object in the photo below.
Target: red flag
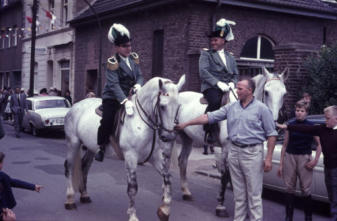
(49, 14)
(29, 19)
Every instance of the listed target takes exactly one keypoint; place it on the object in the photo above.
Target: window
(65, 12)
(158, 53)
(258, 48)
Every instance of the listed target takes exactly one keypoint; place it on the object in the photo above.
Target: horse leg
(183, 158)
(72, 172)
(221, 210)
(161, 162)
(86, 164)
(131, 166)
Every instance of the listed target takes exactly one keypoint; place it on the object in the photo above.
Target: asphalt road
(40, 160)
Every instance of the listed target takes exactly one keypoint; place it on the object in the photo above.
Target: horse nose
(167, 137)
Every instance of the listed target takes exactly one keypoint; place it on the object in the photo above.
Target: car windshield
(51, 104)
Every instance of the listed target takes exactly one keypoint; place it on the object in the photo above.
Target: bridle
(271, 79)
(157, 123)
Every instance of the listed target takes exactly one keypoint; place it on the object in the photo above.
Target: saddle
(117, 123)
(224, 99)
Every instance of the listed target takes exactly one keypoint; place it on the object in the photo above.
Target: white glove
(128, 107)
(136, 87)
(223, 86)
(231, 85)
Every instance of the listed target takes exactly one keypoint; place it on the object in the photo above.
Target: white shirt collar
(221, 51)
(335, 128)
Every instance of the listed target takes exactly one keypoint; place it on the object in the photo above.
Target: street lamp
(99, 76)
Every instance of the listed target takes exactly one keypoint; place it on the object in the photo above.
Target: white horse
(156, 107)
(270, 89)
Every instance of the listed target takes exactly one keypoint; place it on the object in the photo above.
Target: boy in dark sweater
(296, 162)
(328, 137)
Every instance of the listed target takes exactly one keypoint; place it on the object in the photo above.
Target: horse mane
(260, 81)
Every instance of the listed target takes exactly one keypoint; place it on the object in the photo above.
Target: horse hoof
(70, 206)
(221, 211)
(85, 199)
(162, 216)
(187, 198)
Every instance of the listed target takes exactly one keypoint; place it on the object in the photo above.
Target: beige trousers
(246, 168)
(293, 167)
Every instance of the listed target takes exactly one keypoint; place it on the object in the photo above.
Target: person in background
(68, 97)
(18, 107)
(43, 92)
(90, 94)
(296, 161)
(52, 91)
(7, 200)
(327, 134)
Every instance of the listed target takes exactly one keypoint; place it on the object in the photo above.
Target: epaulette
(231, 53)
(135, 57)
(112, 63)
(205, 49)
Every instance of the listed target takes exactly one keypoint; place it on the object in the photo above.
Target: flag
(49, 14)
(29, 19)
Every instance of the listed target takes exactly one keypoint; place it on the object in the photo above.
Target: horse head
(270, 89)
(162, 104)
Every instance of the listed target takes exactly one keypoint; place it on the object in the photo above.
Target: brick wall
(293, 56)
(185, 27)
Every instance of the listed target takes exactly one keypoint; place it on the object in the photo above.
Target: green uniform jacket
(212, 69)
(120, 81)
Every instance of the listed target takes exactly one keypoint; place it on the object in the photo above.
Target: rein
(154, 125)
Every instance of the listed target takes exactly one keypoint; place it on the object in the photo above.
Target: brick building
(11, 14)
(168, 36)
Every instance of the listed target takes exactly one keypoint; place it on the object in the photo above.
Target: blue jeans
(331, 186)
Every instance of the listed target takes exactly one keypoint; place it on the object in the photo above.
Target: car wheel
(35, 132)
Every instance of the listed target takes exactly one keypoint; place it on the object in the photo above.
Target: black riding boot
(210, 131)
(307, 208)
(289, 207)
(100, 154)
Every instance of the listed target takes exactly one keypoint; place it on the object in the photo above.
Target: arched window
(258, 48)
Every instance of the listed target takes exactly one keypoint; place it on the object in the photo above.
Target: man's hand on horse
(128, 107)
(223, 86)
(136, 87)
(180, 126)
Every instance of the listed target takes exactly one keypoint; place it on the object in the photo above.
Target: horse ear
(265, 72)
(285, 74)
(181, 82)
(160, 84)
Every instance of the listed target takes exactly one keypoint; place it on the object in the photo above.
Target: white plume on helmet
(120, 28)
(222, 23)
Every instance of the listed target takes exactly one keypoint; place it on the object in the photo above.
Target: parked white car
(272, 181)
(45, 112)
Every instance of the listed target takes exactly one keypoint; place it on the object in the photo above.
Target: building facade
(11, 33)
(168, 36)
(54, 45)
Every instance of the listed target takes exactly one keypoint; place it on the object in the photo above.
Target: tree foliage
(321, 81)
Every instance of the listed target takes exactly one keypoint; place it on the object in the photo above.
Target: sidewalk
(199, 163)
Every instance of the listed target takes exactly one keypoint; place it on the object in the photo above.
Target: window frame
(258, 50)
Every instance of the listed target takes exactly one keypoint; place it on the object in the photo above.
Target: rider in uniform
(218, 71)
(123, 74)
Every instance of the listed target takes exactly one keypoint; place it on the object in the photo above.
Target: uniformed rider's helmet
(119, 34)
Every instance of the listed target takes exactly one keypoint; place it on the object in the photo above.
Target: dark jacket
(119, 81)
(212, 69)
(7, 199)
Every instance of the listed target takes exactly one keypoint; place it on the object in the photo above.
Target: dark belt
(244, 145)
